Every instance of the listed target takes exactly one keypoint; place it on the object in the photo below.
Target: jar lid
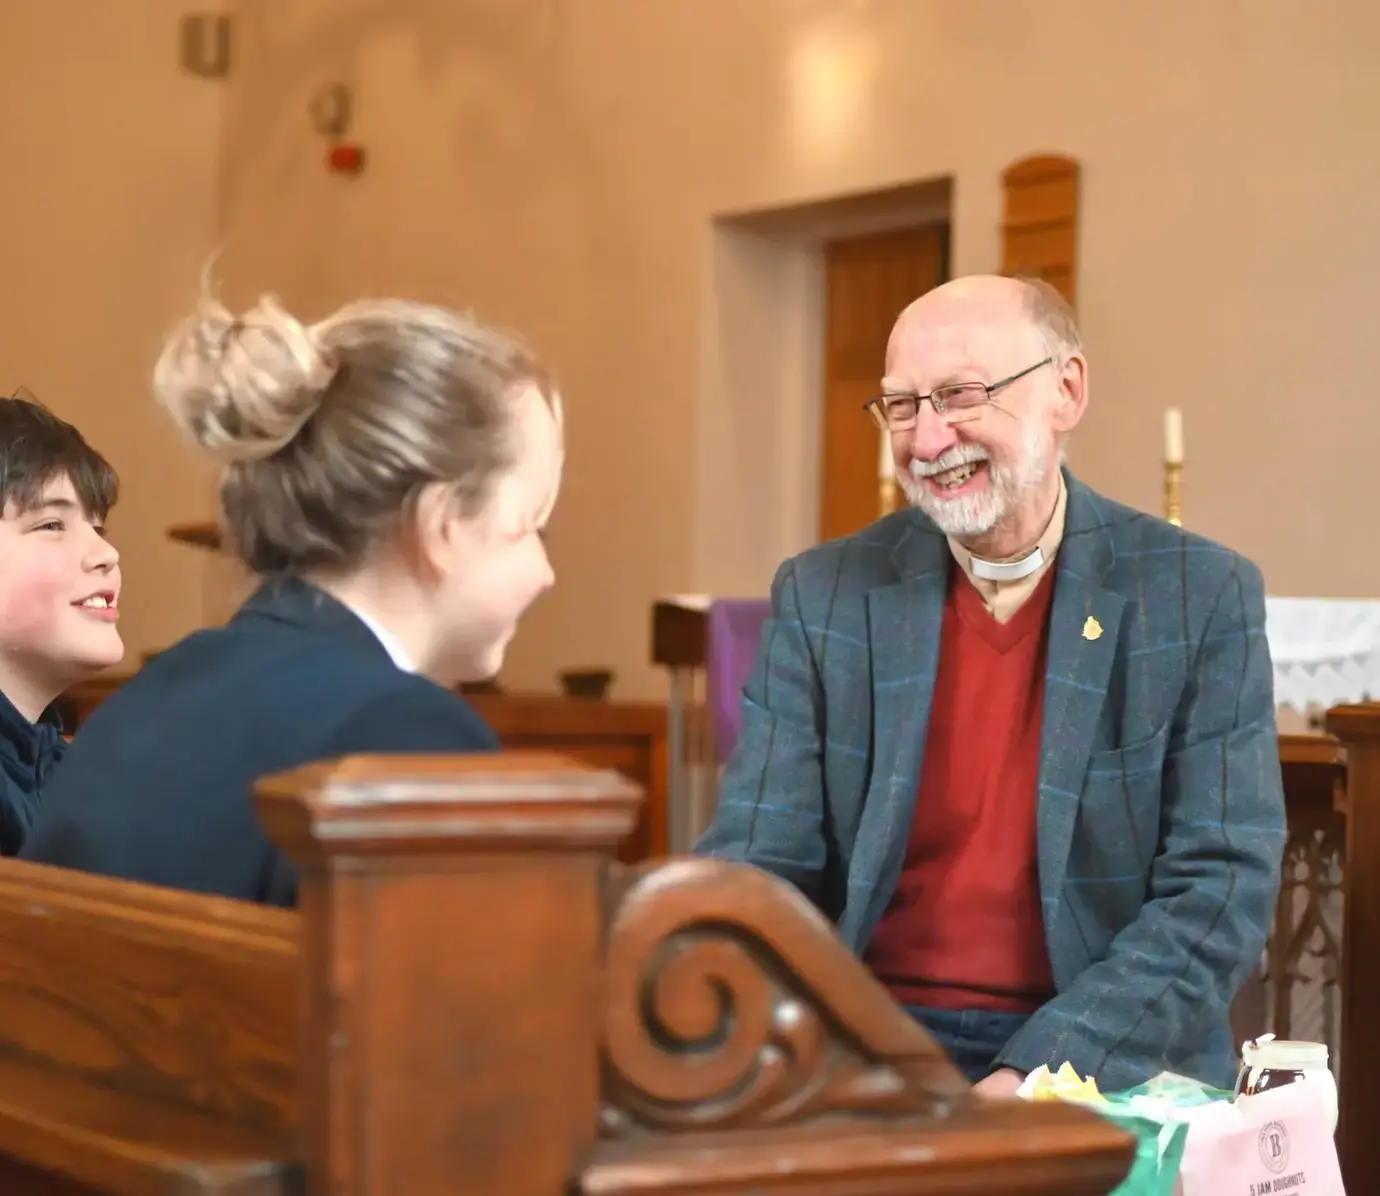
(1284, 1054)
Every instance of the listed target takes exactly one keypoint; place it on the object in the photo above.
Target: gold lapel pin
(1092, 629)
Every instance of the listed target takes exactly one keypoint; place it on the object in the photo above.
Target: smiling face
(493, 562)
(59, 597)
(988, 477)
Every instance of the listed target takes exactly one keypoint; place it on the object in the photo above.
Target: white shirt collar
(391, 644)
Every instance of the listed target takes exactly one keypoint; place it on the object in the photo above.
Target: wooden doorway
(868, 281)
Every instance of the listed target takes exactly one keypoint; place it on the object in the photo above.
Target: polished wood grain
(148, 1037)
(451, 924)
(801, 1031)
(475, 997)
(208, 1025)
(1040, 221)
(1357, 730)
(1015, 1149)
(629, 737)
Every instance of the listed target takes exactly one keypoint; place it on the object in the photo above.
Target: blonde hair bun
(328, 434)
(242, 387)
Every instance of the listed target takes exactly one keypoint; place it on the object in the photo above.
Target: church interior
(706, 217)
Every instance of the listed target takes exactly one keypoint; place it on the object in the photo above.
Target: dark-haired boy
(59, 594)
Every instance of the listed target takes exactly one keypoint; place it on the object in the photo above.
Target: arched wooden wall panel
(1040, 221)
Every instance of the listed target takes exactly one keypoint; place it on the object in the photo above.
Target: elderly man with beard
(1017, 740)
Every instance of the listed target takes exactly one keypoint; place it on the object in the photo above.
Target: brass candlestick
(887, 488)
(1173, 492)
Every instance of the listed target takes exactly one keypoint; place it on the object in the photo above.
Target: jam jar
(1269, 1062)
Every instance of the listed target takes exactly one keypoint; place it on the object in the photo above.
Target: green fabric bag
(1159, 1150)
(1157, 1114)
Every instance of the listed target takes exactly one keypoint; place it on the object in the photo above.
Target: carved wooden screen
(1040, 224)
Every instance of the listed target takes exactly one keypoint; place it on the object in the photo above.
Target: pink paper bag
(1277, 1142)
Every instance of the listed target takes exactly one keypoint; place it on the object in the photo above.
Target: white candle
(1173, 436)
(886, 463)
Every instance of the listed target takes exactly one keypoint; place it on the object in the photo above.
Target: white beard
(977, 514)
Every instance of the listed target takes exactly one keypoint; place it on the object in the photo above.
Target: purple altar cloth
(733, 630)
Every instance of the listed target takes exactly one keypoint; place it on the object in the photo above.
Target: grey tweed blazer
(1161, 820)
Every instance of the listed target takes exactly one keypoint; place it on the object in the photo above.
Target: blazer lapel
(1084, 630)
(904, 623)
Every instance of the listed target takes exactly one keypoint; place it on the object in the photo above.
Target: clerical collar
(993, 577)
(1007, 570)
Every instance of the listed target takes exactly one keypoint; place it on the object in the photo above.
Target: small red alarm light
(346, 158)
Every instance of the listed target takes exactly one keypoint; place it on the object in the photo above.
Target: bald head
(1003, 305)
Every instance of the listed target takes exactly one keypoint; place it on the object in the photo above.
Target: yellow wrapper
(1064, 1084)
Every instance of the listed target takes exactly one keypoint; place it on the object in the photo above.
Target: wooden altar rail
(475, 998)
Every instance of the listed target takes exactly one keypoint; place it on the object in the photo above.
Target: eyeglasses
(953, 404)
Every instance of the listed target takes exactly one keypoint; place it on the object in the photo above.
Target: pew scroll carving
(731, 1005)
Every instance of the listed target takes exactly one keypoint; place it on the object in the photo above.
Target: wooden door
(869, 281)
(1040, 227)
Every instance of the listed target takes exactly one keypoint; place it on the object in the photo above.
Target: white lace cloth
(1325, 650)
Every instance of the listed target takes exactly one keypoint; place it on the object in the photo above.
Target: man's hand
(1000, 1085)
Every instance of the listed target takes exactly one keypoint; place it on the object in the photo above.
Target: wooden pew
(474, 997)
(1357, 728)
(627, 736)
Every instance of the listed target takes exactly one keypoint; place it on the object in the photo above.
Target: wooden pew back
(143, 1032)
(1357, 728)
(474, 997)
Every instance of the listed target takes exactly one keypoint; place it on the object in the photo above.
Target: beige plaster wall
(560, 165)
(109, 160)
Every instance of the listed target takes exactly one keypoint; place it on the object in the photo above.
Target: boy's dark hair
(37, 449)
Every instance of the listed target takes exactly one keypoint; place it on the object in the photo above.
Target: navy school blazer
(157, 785)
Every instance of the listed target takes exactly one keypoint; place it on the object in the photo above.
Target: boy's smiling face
(59, 598)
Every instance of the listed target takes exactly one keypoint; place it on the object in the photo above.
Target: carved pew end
(746, 1049)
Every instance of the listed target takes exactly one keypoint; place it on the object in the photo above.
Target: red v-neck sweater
(964, 929)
